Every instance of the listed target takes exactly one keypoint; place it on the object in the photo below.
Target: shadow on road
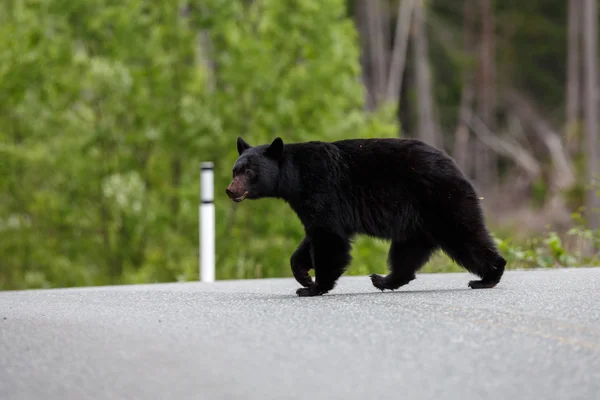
(379, 293)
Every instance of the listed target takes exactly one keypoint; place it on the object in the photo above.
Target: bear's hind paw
(482, 284)
(384, 282)
(310, 291)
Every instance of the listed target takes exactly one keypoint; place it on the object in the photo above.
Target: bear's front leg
(301, 263)
(330, 256)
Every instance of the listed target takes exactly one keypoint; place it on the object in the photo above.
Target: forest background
(107, 109)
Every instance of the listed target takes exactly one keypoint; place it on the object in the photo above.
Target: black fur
(397, 189)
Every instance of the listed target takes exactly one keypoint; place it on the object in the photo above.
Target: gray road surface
(535, 336)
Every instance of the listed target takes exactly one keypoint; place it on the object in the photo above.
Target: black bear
(401, 190)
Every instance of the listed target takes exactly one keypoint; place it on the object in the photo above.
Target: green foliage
(550, 251)
(539, 192)
(108, 108)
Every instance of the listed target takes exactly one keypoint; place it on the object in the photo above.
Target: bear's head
(256, 171)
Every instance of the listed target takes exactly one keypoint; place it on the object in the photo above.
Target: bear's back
(399, 180)
(381, 163)
(377, 186)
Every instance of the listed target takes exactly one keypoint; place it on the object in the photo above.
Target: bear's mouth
(241, 198)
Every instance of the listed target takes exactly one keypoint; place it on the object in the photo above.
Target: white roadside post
(207, 223)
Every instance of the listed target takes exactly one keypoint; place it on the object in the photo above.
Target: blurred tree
(590, 55)
(427, 131)
(108, 108)
(574, 87)
(486, 173)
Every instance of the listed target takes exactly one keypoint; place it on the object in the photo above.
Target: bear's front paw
(312, 290)
(380, 282)
(302, 277)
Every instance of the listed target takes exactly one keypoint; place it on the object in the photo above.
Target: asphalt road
(535, 336)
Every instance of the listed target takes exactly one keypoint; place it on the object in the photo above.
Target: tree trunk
(590, 57)
(461, 137)
(377, 50)
(398, 61)
(525, 160)
(363, 36)
(573, 76)
(563, 176)
(487, 73)
(426, 125)
(486, 172)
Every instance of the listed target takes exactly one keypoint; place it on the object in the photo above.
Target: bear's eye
(249, 173)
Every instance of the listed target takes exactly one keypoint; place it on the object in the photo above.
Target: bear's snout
(236, 191)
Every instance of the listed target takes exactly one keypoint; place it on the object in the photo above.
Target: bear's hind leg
(331, 256)
(404, 259)
(478, 254)
(491, 276)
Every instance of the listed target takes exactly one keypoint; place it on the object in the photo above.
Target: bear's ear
(242, 146)
(275, 150)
